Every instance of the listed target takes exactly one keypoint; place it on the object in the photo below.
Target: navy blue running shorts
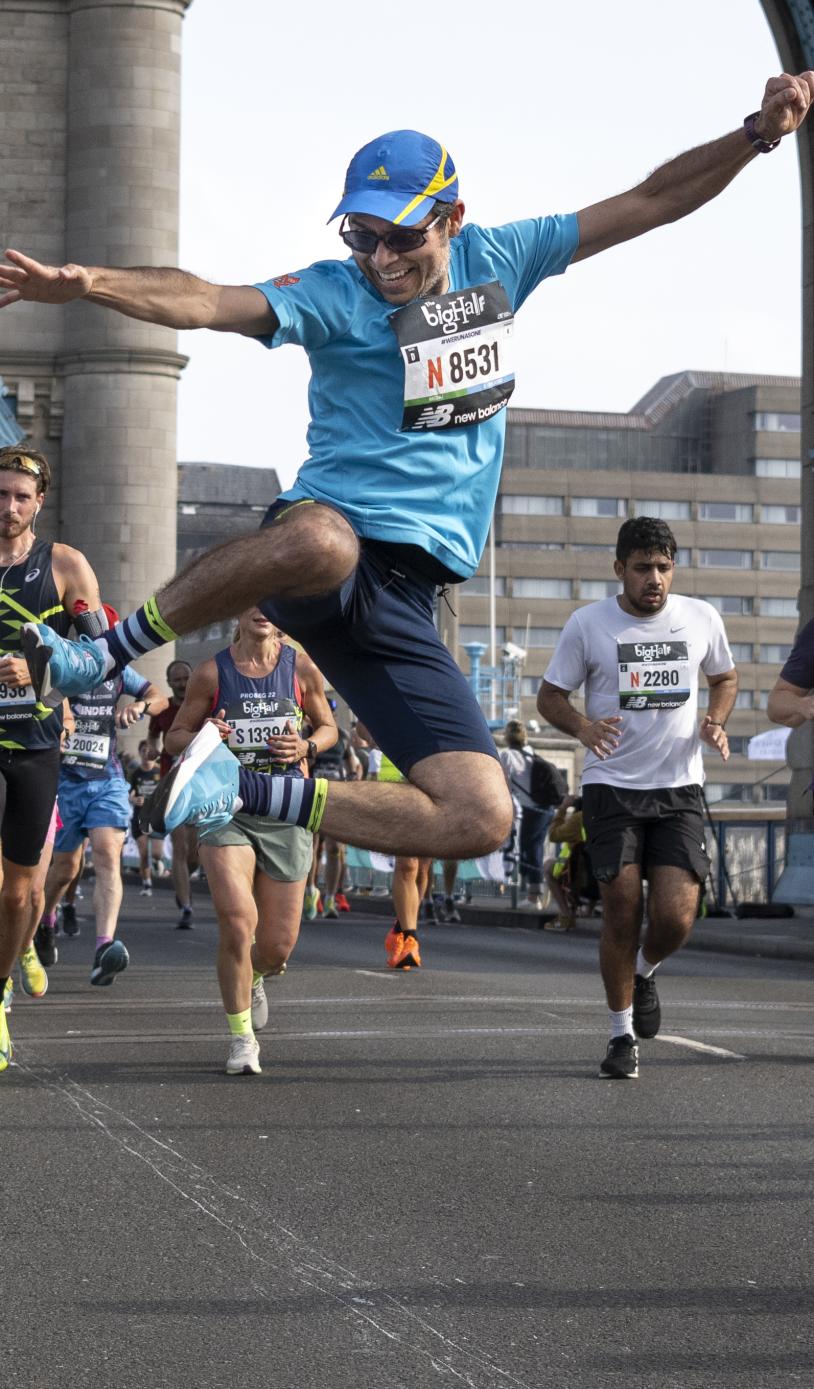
(376, 643)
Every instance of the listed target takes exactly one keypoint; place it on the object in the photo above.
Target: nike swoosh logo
(676, 629)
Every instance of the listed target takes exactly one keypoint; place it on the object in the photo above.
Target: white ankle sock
(621, 1023)
(644, 967)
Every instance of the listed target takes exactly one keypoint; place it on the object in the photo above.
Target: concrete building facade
(718, 457)
(89, 168)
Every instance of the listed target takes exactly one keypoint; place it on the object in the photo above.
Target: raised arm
(694, 178)
(173, 298)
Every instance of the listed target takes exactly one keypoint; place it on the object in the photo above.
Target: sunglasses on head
(398, 240)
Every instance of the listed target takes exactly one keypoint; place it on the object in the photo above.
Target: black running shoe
(622, 1059)
(646, 1007)
(45, 945)
(70, 925)
(184, 922)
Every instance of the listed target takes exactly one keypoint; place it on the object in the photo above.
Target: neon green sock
(256, 977)
(240, 1024)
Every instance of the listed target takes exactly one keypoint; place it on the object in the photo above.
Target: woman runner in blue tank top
(256, 693)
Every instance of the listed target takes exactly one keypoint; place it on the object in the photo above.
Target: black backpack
(548, 783)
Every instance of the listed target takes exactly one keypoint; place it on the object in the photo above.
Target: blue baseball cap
(398, 177)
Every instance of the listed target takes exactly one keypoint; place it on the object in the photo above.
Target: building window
(529, 685)
(536, 636)
(737, 746)
(741, 651)
(778, 607)
(781, 515)
(664, 510)
(598, 506)
(775, 791)
(780, 559)
(683, 556)
(480, 585)
(531, 544)
(599, 588)
(731, 605)
(521, 505)
(471, 632)
(717, 791)
(188, 509)
(775, 653)
(743, 699)
(777, 467)
(606, 549)
(725, 511)
(541, 588)
(725, 559)
(775, 422)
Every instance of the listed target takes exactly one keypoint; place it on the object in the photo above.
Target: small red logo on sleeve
(283, 280)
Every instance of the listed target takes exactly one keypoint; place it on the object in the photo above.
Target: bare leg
(454, 805)
(556, 889)
(268, 563)
(406, 896)
(181, 841)
(107, 844)
(334, 866)
(279, 910)
(672, 906)
(230, 875)
(64, 870)
(16, 906)
(38, 892)
(622, 908)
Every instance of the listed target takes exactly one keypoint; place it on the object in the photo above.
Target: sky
(544, 108)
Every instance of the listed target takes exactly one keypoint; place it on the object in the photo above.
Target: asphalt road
(427, 1186)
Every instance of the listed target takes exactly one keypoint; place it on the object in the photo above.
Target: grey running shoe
(622, 1059)
(244, 1057)
(110, 959)
(646, 1007)
(260, 1006)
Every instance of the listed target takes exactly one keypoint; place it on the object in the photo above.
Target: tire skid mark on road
(275, 1248)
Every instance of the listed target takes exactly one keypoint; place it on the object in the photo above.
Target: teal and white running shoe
(71, 667)
(6, 1049)
(110, 959)
(8, 995)
(201, 789)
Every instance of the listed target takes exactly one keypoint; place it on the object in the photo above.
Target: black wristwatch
(312, 750)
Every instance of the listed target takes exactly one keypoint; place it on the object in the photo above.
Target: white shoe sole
(168, 790)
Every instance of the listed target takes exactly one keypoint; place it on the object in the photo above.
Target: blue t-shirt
(433, 489)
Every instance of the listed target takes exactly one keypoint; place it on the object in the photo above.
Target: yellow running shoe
(8, 995)
(32, 975)
(6, 1049)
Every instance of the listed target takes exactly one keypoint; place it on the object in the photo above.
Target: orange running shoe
(406, 955)
(342, 902)
(393, 942)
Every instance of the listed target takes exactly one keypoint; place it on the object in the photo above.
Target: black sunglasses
(398, 240)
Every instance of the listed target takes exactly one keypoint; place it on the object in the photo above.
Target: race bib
(457, 354)
(16, 702)
(89, 750)
(653, 675)
(254, 733)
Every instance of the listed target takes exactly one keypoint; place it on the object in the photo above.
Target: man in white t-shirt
(638, 656)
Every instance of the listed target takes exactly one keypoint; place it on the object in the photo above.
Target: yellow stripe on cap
(436, 185)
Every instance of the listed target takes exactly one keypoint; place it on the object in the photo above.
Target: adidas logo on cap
(380, 173)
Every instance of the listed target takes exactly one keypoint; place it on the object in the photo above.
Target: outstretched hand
(785, 104)
(24, 278)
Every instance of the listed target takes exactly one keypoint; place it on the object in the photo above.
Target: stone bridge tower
(89, 172)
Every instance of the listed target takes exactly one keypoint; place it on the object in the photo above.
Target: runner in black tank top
(50, 583)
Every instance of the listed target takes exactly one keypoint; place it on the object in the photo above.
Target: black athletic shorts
(376, 641)
(28, 790)
(645, 827)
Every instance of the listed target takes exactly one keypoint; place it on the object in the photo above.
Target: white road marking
(277, 1253)
(702, 1046)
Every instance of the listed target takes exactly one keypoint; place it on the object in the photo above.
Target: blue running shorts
(88, 805)
(376, 642)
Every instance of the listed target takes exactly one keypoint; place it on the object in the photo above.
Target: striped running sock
(240, 1024)
(294, 800)
(145, 630)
